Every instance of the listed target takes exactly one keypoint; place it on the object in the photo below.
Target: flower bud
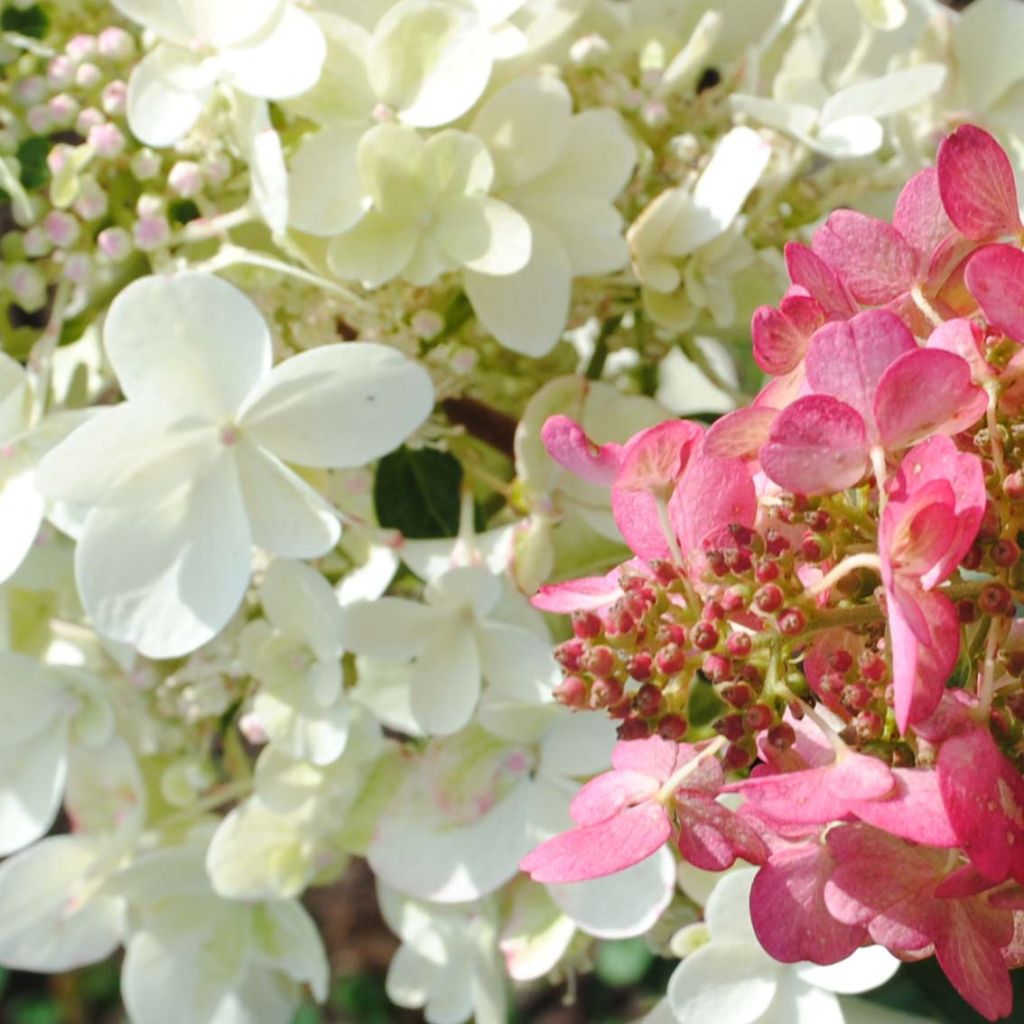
(672, 727)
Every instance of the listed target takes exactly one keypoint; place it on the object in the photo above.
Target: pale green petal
(374, 251)
(484, 235)
(325, 193)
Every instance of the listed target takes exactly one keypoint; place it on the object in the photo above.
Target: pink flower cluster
(822, 599)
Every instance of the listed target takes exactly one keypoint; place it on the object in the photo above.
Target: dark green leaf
(31, 22)
(32, 155)
(417, 492)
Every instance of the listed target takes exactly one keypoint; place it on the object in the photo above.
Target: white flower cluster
(289, 289)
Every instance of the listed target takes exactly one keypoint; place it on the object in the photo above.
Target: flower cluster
(342, 350)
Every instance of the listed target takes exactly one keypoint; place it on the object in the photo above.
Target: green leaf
(624, 963)
(32, 154)
(417, 492)
(31, 22)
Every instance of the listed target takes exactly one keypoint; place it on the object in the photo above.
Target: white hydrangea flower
(199, 445)
(455, 640)
(447, 963)
(295, 654)
(48, 712)
(562, 171)
(429, 211)
(193, 957)
(270, 49)
(732, 977)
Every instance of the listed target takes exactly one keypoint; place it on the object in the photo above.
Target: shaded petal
(224, 23)
(33, 776)
(299, 601)
(339, 406)
(446, 681)
(373, 252)
(170, 580)
(729, 983)
(389, 628)
(864, 970)
(517, 662)
(159, 111)
(995, 277)
(326, 204)
(21, 512)
(484, 234)
(192, 339)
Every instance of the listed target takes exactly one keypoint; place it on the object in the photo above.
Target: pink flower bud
(92, 203)
(114, 98)
(37, 242)
(88, 119)
(672, 727)
(151, 233)
(39, 119)
(78, 267)
(28, 286)
(60, 72)
(63, 109)
(145, 165)
(29, 90)
(115, 44)
(107, 139)
(185, 179)
(115, 244)
(88, 76)
(81, 47)
(62, 227)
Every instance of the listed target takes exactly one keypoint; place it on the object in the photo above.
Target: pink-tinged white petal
(810, 272)
(713, 495)
(919, 215)
(871, 257)
(914, 811)
(847, 359)
(585, 594)
(610, 794)
(818, 445)
(787, 908)
(740, 434)
(925, 392)
(995, 277)
(597, 850)
(984, 797)
(924, 629)
(568, 444)
(977, 185)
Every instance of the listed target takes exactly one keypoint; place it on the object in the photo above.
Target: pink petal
(711, 836)
(984, 796)
(871, 257)
(655, 458)
(610, 794)
(976, 184)
(964, 338)
(925, 631)
(740, 434)
(658, 758)
(586, 593)
(818, 795)
(808, 270)
(847, 360)
(995, 277)
(780, 335)
(817, 446)
(788, 911)
(926, 392)
(636, 515)
(568, 444)
(714, 494)
(599, 850)
(920, 216)
(917, 533)
(915, 810)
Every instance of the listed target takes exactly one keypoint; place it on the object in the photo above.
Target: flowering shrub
(347, 510)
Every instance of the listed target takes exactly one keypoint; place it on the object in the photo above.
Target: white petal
(589, 229)
(304, 730)
(48, 919)
(33, 776)
(284, 63)
(220, 23)
(429, 61)
(373, 252)
(578, 745)
(165, 17)
(728, 910)
(624, 904)
(287, 516)
(385, 689)
(517, 662)
(370, 579)
(661, 1014)
(31, 695)
(446, 681)
(452, 865)
(21, 512)
(341, 405)
(132, 454)
(300, 602)
(192, 340)
(292, 944)
(865, 969)
(796, 1002)
(728, 983)
(15, 398)
(987, 44)
(598, 156)
(169, 580)
(484, 234)
(524, 125)
(793, 118)
(160, 112)
(849, 137)
(389, 628)
(889, 94)
(261, 146)
(322, 203)
(526, 311)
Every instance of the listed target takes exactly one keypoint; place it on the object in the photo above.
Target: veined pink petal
(655, 459)
(995, 277)
(914, 810)
(653, 756)
(817, 446)
(927, 391)
(871, 257)
(610, 794)
(568, 444)
(920, 216)
(916, 533)
(740, 434)
(781, 335)
(920, 664)
(976, 184)
(963, 338)
(848, 359)
(808, 270)
(714, 494)
(637, 517)
(984, 797)
(788, 911)
(588, 592)
(598, 850)
(711, 836)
